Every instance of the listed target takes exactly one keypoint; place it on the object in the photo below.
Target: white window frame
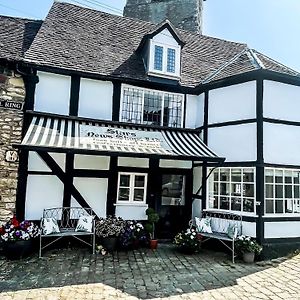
(164, 72)
(240, 212)
(131, 188)
(124, 86)
(275, 215)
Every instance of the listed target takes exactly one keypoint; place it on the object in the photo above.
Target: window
(232, 189)
(132, 188)
(158, 58)
(282, 191)
(150, 107)
(173, 190)
(171, 60)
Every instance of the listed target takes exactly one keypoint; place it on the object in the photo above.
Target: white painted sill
(131, 204)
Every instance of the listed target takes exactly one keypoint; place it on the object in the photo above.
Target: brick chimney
(184, 14)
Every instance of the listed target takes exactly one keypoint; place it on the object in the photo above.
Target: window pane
(171, 60)
(279, 191)
(172, 110)
(288, 191)
(158, 58)
(152, 108)
(278, 176)
(216, 188)
(124, 194)
(269, 206)
(289, 206)
(236, 189)
(139, 181)
(269, 175)
(124, 180)
(279, 206)
(236, 175)
(269, 190)
(216, 175)
(224, 203)
(296, 176)
(288, 176)
(248, 175)
(224, 189)
(224, 174)
(173, 189)
(296, 191)
(213, 201)
(248, 205)
(297, 206)
(132, 105)
(236, 203)
(248, 190)
(138, 195)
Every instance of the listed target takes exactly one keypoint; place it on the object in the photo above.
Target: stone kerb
(11, 120)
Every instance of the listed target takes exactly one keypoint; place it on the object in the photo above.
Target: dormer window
(171, 60)
(158, 58)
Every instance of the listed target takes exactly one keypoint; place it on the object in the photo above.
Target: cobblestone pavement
(165, 273)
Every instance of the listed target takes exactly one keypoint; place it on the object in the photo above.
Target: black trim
(281, 240)
(133, 169)
(279, 77)
(153, 186)
(260, 177)
(112, 187)
(91, 173)
(281, 219)
(74, 95)
(271, 165)
(230, 123)
(68, 180)
(278, 121)
(184, 110)
(205, 121)
(40, 173)
(116, 106)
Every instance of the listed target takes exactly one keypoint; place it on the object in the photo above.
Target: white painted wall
(35, 163)
(180, 164)
(286, 229)
(197, 179)
(281, 144)
(95, 99)
(52, 93)
(165, 37)
(235, 143)
(194, 116)
(91, 162)
(43, 191)
(133, 162)
(131, 212)
(236, 102)
(249, 229)
(94, 191)
(281, 101)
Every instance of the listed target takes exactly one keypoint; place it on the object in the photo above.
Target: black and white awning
(65, 134)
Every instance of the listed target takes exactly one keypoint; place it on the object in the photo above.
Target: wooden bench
(219, 225)
(67, 219)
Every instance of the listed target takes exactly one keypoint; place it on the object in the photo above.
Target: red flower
(14, 221)
(2, 230)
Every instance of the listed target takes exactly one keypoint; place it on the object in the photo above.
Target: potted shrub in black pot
(153, 218)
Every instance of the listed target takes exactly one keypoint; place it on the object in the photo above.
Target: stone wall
(184, 14)
(11, 121)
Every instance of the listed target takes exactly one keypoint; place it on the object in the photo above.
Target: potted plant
(153, 218)
(133, 235)
(17, 238)
(108, 230)
(188, 241)
(248, 248)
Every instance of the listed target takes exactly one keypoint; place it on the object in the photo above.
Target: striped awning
(57, 134)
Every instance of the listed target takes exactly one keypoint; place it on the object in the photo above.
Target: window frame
(132, 188)
(164, 72)
(230, 182)
(163, 93)
(283, 199)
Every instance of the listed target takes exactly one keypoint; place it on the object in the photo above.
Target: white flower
(192, 237)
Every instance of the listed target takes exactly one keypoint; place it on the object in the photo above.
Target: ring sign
(11, 156)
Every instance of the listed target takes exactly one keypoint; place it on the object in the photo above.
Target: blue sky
(269, 26)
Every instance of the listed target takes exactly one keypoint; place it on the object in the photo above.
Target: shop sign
(11, 104)
(11, 156)
(119, 137)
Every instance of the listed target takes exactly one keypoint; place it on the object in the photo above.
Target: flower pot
(17, 249)
(248, 257)
(110, 243)
(153, 244)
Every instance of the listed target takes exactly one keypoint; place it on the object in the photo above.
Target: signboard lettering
(11, 104)
(11, 156)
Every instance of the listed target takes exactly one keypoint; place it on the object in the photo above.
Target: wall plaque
(11, 104)
(11, 156)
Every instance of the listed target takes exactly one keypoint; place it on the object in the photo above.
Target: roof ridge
(20, 18)
(258, 62)
(216, 72)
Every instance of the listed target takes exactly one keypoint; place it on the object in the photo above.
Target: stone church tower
(184, 14)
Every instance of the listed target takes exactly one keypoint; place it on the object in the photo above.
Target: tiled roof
(16, 36)
(89, 41)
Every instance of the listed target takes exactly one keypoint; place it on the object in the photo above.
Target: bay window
(232, 189)
(151, 107)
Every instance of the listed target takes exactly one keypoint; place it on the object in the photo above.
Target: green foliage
(153, 218)
(245, 244)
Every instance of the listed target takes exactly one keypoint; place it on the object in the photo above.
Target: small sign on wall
(11, 104)
(11, 156)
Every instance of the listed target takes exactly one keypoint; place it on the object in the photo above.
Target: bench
(67, 220)
(220, 221)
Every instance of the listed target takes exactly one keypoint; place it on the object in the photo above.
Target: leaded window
(282, 191)
(171, 60)
(232, 189)
(150, 107)
(158, 58)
